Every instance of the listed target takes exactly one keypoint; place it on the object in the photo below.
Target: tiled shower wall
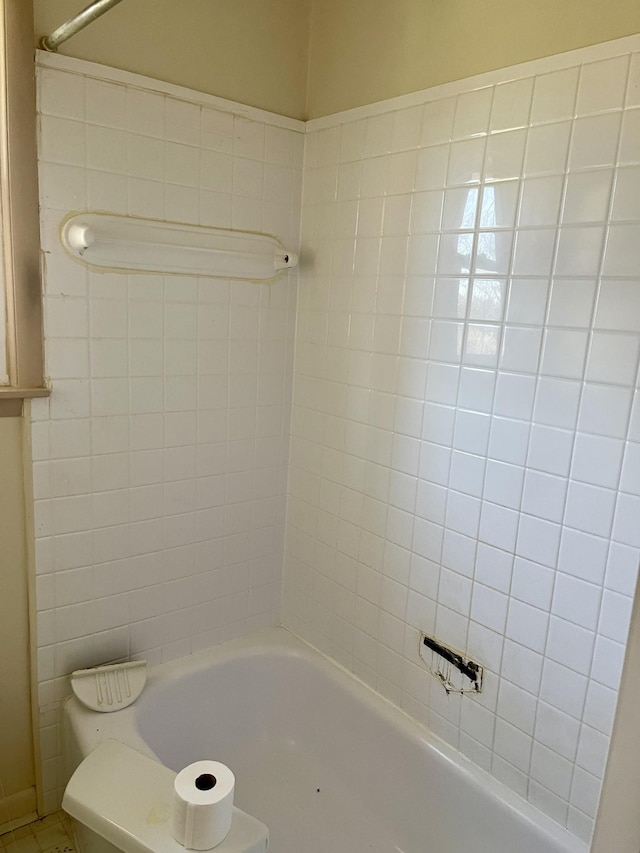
(465, 454)
(160, 459)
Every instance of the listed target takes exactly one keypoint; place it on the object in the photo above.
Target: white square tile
(61, 94)
(499, 203)
(576, 601)
(538, 540)
(592, 751)
(570, 645)
(493, 252)
(605, 410)
(407, 124)
(634, 426)
(557, 402)
(594, 141)
(516, 706)
(585, 794)
(587, 196)
(498, 526)
(602, 85)
(626, 193)
(622, 251)
(622, 569)
(527, 625)
(106, 103)
(446, 341)
(613, 358)
(482, 345)
(633, 88)
(460, 209)
(401, 172)
(489, 608)
(625, 526)
(438, 423)
(463, 514)
(540, 204)
(493, 567)
(597, 460)
(547, 149)
(466, 162)
(618, 306)
(397, 213)
(583, 555)
(146, 158)
(564, 353)
(509, 440)
(430, 501)
(145, 112)
(571, 302)
(600, 707)
(467, 473)
(608, 659)
(62, 187)
(511, 104)
(476, 389)
(454, 592)
(532, 583)
(378, 135)
(437, 121)
(422, 255)
(521, 349)
(442, 383)
(454, 256)
(504, 155)
(534, 252)
(431, 168)
(522, 666)
(527, 301)
(563, 688)
(580, 250)
(590, 508)
(503, 484)
(544, 496)
(557, 731)
(630, 481)
(615, 616)
(514, 396)
(472, 113)
(471, 432)
(458, 552)
(426, 211)
(630, 134)
(513, 745)
(554, 95)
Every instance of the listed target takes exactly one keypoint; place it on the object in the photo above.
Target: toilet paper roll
(202, 804)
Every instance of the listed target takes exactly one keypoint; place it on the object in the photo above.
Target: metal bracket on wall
(456, 673)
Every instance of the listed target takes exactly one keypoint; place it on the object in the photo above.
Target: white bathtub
(325, 762)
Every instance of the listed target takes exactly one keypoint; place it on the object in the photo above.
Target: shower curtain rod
(77, 23)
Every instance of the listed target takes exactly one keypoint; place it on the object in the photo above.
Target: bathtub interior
(324, 761)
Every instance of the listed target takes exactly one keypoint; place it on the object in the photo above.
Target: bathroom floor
(52, 834)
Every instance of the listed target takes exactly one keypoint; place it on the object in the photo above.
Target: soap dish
(109, 688)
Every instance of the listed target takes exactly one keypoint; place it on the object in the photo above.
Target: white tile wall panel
(464, 452)
(160, 459)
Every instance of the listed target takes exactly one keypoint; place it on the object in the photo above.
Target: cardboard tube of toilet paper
(202, 804)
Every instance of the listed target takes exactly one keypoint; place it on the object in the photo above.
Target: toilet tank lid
(126, 798)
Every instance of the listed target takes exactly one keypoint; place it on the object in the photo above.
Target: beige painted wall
(251, 51)
(17, 779)
(359, 52)
(362, 51)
